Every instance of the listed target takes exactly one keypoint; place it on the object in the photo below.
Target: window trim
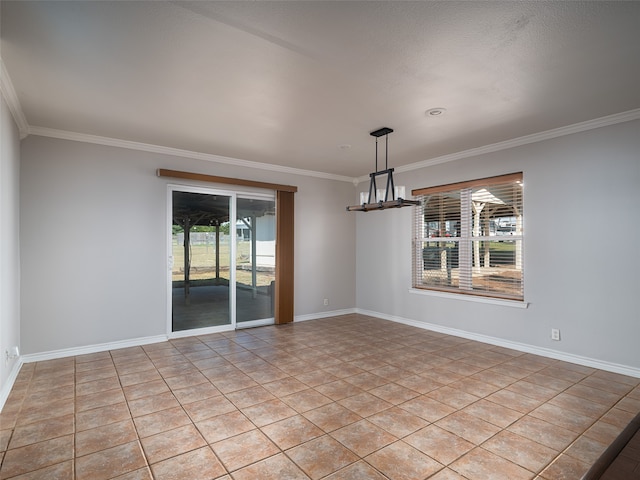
(470, 298)
(482, 296)
(480, 182)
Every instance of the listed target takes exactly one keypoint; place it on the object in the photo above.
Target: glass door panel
(255, 260)
(202, 254)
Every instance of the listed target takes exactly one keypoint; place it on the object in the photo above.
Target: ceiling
(207, 209)
(301, 84)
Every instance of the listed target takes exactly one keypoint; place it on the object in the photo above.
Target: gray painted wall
(581, 258)
(9, 240)
(582, 253)
(111, 286)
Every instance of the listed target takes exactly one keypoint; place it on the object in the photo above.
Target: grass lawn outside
(203, 260)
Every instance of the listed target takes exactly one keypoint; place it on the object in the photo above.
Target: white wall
(9, 243)
(582, 248)
(111, 285)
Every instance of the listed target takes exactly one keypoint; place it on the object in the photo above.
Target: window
(468, 238)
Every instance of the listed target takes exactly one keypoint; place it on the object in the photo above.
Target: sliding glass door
(255, 260)
(222, 257)
(201, 250)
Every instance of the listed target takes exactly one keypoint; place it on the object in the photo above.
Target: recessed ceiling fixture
(389, 197)
(435, 112)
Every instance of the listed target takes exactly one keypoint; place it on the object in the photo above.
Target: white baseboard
(521, 347)
(101, 347)
(315, 316)
(8, 385)
(135, 342)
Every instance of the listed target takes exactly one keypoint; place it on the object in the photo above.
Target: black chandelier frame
(390, 190)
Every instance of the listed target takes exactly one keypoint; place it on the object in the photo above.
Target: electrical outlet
(326, 302)
(10, 354)
(555, 334)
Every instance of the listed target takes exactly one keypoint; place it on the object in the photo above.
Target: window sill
(471, 298)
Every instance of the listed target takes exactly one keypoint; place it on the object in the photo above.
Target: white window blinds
(468, 237)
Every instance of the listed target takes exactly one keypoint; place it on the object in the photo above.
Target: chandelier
(389, 197)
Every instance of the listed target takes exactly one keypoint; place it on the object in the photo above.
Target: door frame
(234, 195)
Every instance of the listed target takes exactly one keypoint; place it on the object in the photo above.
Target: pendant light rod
(376, 154)
(386, 152)
(378, 133)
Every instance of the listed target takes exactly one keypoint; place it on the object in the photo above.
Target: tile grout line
(322, 350)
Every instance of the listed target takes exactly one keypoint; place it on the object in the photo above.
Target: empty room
(319, 240)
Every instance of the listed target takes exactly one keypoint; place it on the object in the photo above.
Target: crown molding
(517, 142)
(11, 97)
(177, 152)
(494, 147)
(527, 139)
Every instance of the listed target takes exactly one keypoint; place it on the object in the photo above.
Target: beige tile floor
(348, 397)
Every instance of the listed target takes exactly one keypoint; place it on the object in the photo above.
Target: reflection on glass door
(202, 260)
(255, 260)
